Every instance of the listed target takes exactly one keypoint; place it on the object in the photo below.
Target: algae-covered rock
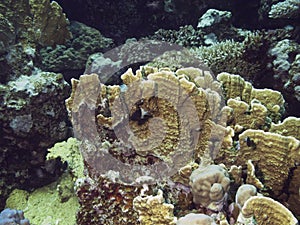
(68, 151)
(33, 118)
(25, 26)
(35, 22)
(74, 54)
(53, 204)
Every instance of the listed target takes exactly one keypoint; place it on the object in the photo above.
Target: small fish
(250, 143)
(141, 116)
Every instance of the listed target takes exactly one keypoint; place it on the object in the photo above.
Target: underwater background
(149, 112)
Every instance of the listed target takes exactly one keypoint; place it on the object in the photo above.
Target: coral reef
(161, 143)
(248, 110)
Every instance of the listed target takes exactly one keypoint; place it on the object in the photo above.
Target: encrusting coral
(106, 202)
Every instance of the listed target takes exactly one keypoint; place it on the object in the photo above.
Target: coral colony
(149, 112)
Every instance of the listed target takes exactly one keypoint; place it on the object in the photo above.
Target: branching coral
(287, 9)
(232, 56)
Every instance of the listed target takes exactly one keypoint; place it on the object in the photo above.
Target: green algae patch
(68, 151)
(55, 203)
(17, 199)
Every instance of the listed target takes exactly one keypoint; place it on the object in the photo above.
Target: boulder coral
(209, 185)
(194, 219)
